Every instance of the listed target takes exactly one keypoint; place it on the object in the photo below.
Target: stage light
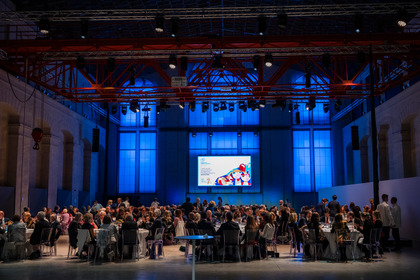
(174, 26)
(223, 106)
(114, 110)
(326, 60)
(282, 20)
(44, 26)
(158, 109)
(358, 22)
(210, 134)
(256, 133)
(252, 104)
(194, 134)
(192, 106)
(217, 64)
(402, 17)
(231, 107)
(290, 107)
(256, 63)
(262, 103)
(204, 107)
(297, 119)
(84, 29)
(326, 107)
(337, 105)
(146, 121)
(134, 107)
(172, 61)
(215, 107)
(268, 60)
(307, 76)
(184, 63)
(239, 134)
(262, 25)
(242, 106)
(80, 63)
(311, 104)
(160, 20)
(181, 105)
(124, 110)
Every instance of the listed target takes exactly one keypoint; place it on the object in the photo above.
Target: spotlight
(80, 63)
(296, 106)
(256, 133)
(358, 22)
(402, 17)
(146, 121)
(282, 20)
(268, 60)
(239, 134)
(262, 25)
(184, 63)
(181, 105)
(290, 107)
(44, 26)
(192, 106)
(84, 29)
(257, 60)
(326, 107)
(215, 107)
(124, 110)
(174, 26)
(134, 107)
(217, 64)
(262, 103)
(223, 106)
(132, 81)
(194, 134)
(297, 119)
(172, 61)
(231, 107)
(326, 60)
(242, 106)
(114, 110)
(204, 107)
(159, 19)
(158, 109)
(210, 134)
(311, 104)
(252, 104)
(337, 105)
(307, 76)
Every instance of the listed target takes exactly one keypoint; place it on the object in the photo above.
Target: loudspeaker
(355, 137)
(95, 140)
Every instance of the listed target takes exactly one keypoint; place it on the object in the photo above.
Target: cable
(13, 91)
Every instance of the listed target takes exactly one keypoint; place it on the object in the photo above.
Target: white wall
(407, 192)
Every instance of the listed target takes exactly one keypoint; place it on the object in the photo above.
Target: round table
(193, 238)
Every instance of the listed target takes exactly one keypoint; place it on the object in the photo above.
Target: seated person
(88, 224)
(3, 220)
(268, 232)
(350, 218)
(293, 225)
(27, 219)
(228, 225)
(327, 219)
(340, 227)
(111, 227)
(72, 229)
(35, 239)
(319, 233)
(205, 224)
(169, 228)
(13, 234)
(365, 227)
(56, 229)
(191, 225)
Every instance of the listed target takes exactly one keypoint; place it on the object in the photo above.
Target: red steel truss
(52, 64)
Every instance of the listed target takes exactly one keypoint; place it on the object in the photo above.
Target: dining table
(331, 250)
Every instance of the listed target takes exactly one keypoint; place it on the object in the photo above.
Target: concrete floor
(396, 266)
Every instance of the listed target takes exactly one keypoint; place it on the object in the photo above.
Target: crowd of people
(264, 223)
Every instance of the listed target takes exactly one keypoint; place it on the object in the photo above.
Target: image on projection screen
(224, 171)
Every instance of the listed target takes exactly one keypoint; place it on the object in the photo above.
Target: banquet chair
(83, 239)
(207, 244)
(45, 241)
(129, 238)
(231, 240)
(293, 241)
(374, 244)
(272, 242)
(15, 242)
(315, 247)
(251, 244)
(103, 242)
(188, 231)
(157, 242)
(343, 244)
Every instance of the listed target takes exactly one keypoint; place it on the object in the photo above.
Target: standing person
(396, 215)
(187, 206)
(220, 202)
(155, 203)
(320, 207)
(334, 206)
(198, 205)
(387, 220)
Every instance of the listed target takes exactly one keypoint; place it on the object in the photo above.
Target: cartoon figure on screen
(246, 178)
(233, 177)
(225, 180)
(236, 175)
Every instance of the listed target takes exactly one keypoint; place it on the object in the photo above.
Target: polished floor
(402, 265)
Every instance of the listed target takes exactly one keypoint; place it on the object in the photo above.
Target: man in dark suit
(41, 223)
(128, 224)
(334, 206)
(228, 225)
(327, 219)
(305, 219)
(320, 207)
(3, 220)
(187, 206)
(198, 205)
(206, 224)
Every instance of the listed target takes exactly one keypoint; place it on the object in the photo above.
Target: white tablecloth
(331, 251)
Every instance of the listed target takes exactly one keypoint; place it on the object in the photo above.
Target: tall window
(137, 159)
(302, 161)
(322, 159)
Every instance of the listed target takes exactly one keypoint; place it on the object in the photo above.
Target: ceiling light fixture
(358, 22)
(282, 20)
(215, 107)
(256, 63)
(231, 107)
(268, 60)
(402, 17)
(172, 61)
(326, 107)
(223, 106)
(44, 26)
(204, 107)
(134, 107)
(84, 29)
(159, 21)
(262, 25)
(174, 26)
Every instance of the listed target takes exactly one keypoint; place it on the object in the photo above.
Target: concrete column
(77, 176)
(20, 140)
(396, 166)
(51, 144)
(94, 175)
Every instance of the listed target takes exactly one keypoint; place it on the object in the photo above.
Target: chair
(206, 244)
(315, 247)
(158, 241)
(45, 241)
(251, 243)
(103, 241)
(16, 239)
(83, 238)
(271, 242)
(129, 238)
(71, 250)
(293, 241)
(374, 242)
(188, 231)
(231, 240)
(342, 242)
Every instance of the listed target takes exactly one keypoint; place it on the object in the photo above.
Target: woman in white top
(179, 223)
(267, 233)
